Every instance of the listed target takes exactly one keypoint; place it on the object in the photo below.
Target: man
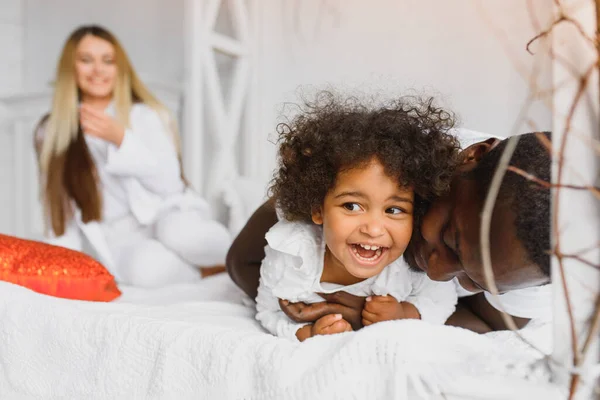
(448, 247)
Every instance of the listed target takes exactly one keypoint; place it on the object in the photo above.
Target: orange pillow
(55, 271)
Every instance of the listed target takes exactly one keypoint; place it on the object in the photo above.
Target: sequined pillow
(55, 271)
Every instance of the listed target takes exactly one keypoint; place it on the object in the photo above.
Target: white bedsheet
(201, 342)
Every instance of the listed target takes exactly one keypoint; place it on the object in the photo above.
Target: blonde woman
(111, 177)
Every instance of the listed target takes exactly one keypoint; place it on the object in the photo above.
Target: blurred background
(227, 67)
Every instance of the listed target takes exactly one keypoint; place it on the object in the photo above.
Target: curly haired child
(352, 180)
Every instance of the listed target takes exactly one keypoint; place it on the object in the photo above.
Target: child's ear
(317, 216)
(475, 152)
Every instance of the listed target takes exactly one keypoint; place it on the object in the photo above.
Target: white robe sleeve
(436, 301)
(147, 153)
(269, 314)
(533, 303)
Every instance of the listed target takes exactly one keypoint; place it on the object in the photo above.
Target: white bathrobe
(154, 231)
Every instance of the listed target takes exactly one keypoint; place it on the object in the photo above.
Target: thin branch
(486, 219)
(593, 189)
(581, 260)
(534, 21)
(561, 19)
(544, 141)
(501, 35)
(593, 143)
(593, 332)
(561, 268)
(587, 249)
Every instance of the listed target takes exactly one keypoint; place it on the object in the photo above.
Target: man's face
(449, 246)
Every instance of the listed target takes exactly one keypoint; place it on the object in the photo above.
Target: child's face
(367, 220)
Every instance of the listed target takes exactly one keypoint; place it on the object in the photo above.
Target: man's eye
(351, 206)
(394, 211)
(450, 239)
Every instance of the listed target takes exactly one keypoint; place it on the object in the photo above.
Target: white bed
(200, 341)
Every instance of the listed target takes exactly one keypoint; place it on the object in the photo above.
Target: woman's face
(95, 67)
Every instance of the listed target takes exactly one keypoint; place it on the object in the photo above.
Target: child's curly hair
(409, 136)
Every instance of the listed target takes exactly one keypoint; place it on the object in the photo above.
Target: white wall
(11, 46)
(150, 30)
(11, 57)
(445, 48)
(448, 49)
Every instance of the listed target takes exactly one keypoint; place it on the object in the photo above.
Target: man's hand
(387, 308)
(349, 306)
(326, 325)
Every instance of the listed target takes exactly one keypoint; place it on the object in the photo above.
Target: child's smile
(367, 223)
(367, 254)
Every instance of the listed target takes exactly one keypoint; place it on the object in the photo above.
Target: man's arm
(463, 317)
(476, 314)
(248, 249)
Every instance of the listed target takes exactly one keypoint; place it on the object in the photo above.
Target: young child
(351, 182)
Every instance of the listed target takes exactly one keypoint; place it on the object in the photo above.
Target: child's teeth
(369, 247)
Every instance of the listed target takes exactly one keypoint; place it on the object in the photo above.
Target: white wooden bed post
(579, 211)
(213, 121)
(193, 110)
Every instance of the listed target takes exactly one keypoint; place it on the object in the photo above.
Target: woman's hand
(387, 308)
(97, 123)
(348, 305)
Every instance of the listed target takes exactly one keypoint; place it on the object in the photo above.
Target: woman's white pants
(169, 251)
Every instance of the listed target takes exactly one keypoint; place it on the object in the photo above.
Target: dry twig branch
(486, 219)
(561, 19)
(593, 332)
(593, 189)
(581, 260)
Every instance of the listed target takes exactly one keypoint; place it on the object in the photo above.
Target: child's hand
(326, 325)
(387, 308)
(348, 305)
(330, 324)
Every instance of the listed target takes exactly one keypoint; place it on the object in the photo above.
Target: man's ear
(475, 152)
(317, 216)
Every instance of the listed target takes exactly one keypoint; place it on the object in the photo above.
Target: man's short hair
(530, 201)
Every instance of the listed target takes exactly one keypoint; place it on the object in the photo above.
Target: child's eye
(351, 206)
(394, 210)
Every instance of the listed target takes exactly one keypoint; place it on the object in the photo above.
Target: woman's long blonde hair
(67, 168)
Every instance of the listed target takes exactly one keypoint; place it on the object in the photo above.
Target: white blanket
(200, 341)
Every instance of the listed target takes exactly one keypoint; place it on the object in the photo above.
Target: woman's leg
(140, 259)
(149, 263)
(196, 239)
